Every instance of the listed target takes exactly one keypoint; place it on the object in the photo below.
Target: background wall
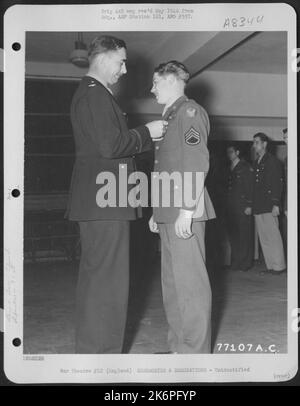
(239, 104)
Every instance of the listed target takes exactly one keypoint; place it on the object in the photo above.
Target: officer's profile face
(232, 154)
(161, 88)
(113, 65)
(259, 146)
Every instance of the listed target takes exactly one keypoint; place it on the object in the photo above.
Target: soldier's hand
(153, 226)
(183, 224)
(157, 129)
(248, 211)
(275, 211)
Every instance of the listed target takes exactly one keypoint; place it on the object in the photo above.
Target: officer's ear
(100, 59)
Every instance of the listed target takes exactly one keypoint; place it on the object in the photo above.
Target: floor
(248, 309)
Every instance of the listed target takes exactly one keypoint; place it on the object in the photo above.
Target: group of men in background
(260, 192)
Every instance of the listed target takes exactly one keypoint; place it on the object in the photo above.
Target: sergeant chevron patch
(192, 136)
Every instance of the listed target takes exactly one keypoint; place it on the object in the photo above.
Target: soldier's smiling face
(114, 65)
(161, 88)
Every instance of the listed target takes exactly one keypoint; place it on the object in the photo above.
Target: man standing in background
(103, 143)
(268, 186)
(239, 200)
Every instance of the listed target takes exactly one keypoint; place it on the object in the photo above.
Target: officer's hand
(248, 211)
(275, 211)
(157, 129)
(153, 226)
(183, 224)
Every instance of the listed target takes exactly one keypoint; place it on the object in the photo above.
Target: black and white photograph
(154, 200)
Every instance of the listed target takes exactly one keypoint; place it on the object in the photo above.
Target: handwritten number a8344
(242, 21)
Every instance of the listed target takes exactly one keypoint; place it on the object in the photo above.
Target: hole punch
(16, 46)
(15, 193)
(16, 342)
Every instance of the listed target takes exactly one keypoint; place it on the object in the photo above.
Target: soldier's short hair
(104, 43)
(262, 136)
(173, 67)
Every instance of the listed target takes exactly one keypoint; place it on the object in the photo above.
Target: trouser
(240, 232)
(284, 232)
(270, 241)
(103, 284)
(186, 290)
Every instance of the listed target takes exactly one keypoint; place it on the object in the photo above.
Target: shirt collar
(261, 157)
(234, 163)
(174, 106)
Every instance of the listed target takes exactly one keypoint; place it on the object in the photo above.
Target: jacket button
(156, 161)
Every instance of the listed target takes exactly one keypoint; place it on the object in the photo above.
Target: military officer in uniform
(239, 196)
(103, 142)
(185, 284)
(268, 185)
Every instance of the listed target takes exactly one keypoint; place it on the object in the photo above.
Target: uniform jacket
(103, 142)
(239, 187)
(268, 184)
(285, 186)
(184, 149)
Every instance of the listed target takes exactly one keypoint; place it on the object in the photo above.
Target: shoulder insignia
(191, 112)
(192, 136)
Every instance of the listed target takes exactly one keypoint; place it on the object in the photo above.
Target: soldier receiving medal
(185, 284)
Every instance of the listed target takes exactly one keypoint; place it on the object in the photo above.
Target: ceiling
(57, 46)
(263, 52)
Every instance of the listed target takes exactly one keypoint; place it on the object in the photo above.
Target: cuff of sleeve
(145, 141)
(187, 213)
(189, 208)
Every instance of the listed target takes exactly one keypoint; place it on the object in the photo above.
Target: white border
(19, 19)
